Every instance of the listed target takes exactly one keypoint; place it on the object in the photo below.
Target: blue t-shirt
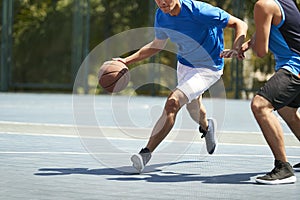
(284, 40)
(197, 31)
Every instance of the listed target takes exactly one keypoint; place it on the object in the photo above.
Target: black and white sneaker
(297, 167)
(282, 173)
(210, 136)
(140, 160)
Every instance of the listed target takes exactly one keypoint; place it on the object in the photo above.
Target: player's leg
(197, 112)
(207, 127)
(166, 121)
(292, 117)
(161, 129)
(272, 131)
(274, 95)
(270, 126)
(194, 82)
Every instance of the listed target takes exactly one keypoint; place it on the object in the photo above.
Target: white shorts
(193, 82)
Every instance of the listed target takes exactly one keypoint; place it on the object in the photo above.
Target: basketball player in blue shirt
(278, 29)
(197, 29)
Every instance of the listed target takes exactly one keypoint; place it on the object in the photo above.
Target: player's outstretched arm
(146, 51)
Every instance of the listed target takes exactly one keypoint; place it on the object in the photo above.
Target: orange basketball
(113, 76)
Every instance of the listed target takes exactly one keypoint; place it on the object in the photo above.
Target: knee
(172, 105)
(257, 105)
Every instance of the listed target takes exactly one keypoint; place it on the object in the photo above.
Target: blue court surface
(60, 146)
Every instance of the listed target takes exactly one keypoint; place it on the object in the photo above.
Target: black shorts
(283, 89)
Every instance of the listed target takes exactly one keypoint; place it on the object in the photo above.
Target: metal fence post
(86, 42)
(6, 44)
(152, 59)
(80, 47)
(238, 9)
(77, 37)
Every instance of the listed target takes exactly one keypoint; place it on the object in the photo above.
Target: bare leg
(270, 126)
(197, 112)
(166, 122)
(292, 117)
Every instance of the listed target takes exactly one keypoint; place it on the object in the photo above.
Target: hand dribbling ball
(113, 76)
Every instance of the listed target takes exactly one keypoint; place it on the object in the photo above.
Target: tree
(43, 36)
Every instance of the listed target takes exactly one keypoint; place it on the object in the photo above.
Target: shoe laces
(278, 166)
(274, 171)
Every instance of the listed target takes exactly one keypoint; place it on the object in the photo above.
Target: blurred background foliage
(49, 39)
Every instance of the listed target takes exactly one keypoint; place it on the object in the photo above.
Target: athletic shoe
(210, 136)
(141, 159)
(297, 167)
(281, 174)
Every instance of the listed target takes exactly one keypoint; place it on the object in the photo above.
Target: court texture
(64, 146)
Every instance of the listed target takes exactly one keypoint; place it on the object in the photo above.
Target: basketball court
(46, 153)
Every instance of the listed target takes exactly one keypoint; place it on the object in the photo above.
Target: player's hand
(229, 53)
(122, 60)
(232, 53)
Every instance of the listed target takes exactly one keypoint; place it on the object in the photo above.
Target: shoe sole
(137, 162)
(211, 151)
(296, 169)
(288, 180)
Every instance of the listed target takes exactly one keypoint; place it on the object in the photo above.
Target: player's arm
(146, 51)
(263, 16)
(240, 28)
(263, 19)
(249, 44)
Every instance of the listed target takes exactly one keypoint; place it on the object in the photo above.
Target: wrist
(122, 60)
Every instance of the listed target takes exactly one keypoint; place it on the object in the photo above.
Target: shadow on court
(239, 178)
(152, 173)
(125, 170)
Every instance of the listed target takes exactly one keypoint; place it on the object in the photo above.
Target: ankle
(145, 150)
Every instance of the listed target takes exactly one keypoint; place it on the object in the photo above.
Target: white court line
(111, 127)
(44, 152)
(131, 139)
(121, 127)
(39, 134)
(171, 154)
(36, 124)
(254, 145)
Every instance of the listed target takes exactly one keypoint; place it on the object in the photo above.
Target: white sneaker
(140, 160)
(210, 136)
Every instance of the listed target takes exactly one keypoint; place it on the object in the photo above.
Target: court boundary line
(126, 153)
(130, 139)
(75, 126)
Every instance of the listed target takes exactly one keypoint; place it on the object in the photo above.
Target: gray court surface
(53, 147)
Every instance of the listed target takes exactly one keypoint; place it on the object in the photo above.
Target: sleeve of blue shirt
(210, 15)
